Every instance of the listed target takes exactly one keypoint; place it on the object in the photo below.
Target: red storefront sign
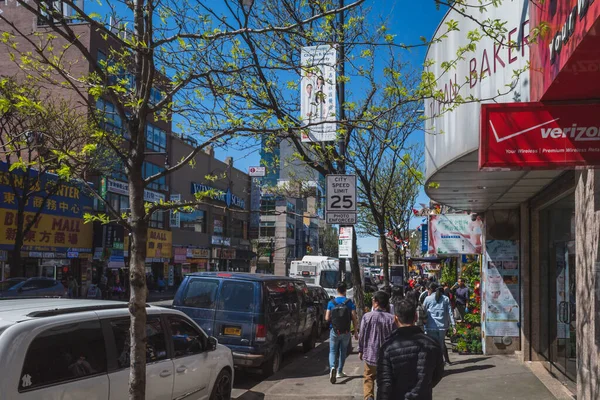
(565, 61)
(539, 136)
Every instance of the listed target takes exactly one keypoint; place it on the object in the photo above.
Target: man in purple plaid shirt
(375, 328)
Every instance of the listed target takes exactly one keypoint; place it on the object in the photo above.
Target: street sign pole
(342, 97)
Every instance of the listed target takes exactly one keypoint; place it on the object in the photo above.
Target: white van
(322, 271)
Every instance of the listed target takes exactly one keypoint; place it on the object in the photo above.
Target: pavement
(470, 378)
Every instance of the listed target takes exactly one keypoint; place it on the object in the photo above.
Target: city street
(306, 377)
(207, 185)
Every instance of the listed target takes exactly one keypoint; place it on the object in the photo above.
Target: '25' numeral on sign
(346, 201)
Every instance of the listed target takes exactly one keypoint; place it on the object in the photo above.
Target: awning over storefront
(464, 187)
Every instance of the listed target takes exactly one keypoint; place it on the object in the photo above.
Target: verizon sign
(535, 135)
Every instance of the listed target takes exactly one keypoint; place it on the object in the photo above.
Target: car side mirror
(212, 343)
(20, 289)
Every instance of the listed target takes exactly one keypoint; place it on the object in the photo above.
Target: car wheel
(222, 388)
(273, 365)
(309, 344)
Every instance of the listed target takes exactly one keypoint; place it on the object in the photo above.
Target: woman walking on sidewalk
(439, 317)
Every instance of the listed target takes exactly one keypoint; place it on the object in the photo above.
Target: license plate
(232, 331)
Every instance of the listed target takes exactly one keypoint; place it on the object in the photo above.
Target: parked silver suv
(79, 350)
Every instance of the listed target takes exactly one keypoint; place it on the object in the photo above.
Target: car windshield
(329, 279)
(17, 286)
(6, 285)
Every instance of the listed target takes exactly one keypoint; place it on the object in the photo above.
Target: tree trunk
(137, 282)
(17, 262)
(386, 260)
(359, 297)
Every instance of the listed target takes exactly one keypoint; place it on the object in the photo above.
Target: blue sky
(408, 20)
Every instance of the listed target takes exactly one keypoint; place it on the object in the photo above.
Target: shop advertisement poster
(345, 242)
(455, 234)
(318, 93)
(501, 288)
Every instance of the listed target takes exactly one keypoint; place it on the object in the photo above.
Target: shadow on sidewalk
(470, 360)
(348, 379)
(449, 372)
(250, 395)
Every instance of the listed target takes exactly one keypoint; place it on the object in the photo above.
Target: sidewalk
(470, 378)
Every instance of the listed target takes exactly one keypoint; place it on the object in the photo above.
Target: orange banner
(159, 245)
(49, 232)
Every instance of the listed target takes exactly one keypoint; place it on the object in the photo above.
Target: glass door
(565, 342)
(557, 288)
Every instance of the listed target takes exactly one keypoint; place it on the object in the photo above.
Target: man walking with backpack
(341, 312)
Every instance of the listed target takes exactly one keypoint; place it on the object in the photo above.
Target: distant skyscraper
(269, 157)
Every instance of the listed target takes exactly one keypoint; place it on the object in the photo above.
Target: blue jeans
(338, 347)
(440, 337)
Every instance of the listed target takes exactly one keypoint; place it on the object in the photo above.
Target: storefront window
(289, 231)
(157, 220)
(194, 221)
(156, 138)
(557, 285)
(118, 202)
(153, 169)
(219, 225)
(238, 229)
(267, 205)
(267, 229)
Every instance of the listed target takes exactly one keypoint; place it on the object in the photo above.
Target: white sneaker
(332, 375)
(341, 375)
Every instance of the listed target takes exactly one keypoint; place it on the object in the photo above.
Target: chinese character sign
(318, 93)
(455, 234)
(67, 200)
(158, 245)
(49, 232)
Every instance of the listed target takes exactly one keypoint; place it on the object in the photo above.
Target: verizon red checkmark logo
(512, 135)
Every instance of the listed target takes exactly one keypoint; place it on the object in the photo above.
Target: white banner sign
(257, 171)
(175, 220)
(455, 234)
(123, 188)
(345, 242)
(501, 288)
(318, 93)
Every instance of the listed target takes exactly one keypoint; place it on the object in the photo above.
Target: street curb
(557, 389)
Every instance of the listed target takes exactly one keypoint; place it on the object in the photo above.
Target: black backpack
(341, 317)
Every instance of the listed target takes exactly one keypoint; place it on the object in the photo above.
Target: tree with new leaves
(389, 178)
(328, 238)
(223, 70)
(31, 123)
(162, 59)
(371, 90)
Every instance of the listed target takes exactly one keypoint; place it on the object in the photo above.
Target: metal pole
(342, 100)
(272, 250)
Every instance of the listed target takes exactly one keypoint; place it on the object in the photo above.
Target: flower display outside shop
(468, 336)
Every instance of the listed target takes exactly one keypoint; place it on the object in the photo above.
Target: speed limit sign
(341, 193)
